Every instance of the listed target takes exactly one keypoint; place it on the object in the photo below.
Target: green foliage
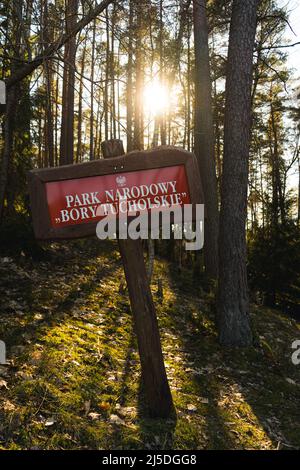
(274, 260)
(17, 237)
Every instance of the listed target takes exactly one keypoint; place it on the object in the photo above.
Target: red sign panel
(85, 200)
(68, 201)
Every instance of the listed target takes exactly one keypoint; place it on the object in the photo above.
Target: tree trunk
(162, 118)
(129, 87)
(12, 95)
(56, 114)
(298, 215)
(233, 301)
(204, 137)
(112, 77)
(92, 151)
(278, 202)
(49, 116)
(48, 37)
(79, 122)
(106, 88)
(138, 140)
(11, 104)
(188, 111)
(67, 121)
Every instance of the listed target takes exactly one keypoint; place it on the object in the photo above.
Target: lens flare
(156, 98)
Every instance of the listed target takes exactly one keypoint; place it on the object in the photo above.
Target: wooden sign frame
(161, 157)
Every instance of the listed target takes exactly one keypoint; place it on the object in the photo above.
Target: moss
(74, 362)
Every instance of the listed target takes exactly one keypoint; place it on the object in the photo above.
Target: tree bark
(12, 96)
(106, 89)
(112, 77)
(129, 87)
(298, 214)
(67, 120)
(92, 150)
(56, 114)
(204, 137)
(11, 104)
(188, 99)
(162, 117)
(49, 137)
(278, 204)
(233, 300)
(138, 139)
(79, 122)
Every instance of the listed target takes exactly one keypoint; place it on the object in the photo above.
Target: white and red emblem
(121, 180)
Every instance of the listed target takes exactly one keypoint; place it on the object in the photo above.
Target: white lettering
(64, 215)
(69, 199)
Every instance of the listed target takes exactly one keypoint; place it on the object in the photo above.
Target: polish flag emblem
(121, 180)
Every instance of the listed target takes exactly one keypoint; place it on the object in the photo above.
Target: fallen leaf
(49, 421)
(3, 384)
(8, 406)
(35, 358)
(76, 363)
(203, 400)
(93, 416)
(23, 375)
(115, 419)
(192, 408)
(290, 381)
(126, 411)
(38, 316)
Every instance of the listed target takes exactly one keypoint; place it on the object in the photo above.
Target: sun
(156, 98)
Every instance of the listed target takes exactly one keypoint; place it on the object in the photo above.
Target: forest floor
(73, 379)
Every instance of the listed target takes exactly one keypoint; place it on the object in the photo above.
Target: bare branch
(27, 69)
(281, 46)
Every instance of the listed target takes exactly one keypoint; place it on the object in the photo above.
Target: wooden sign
(65, 203)
(68, 201)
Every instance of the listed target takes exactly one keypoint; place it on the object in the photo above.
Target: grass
(73, 376)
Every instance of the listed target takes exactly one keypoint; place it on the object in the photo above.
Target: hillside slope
(73, 382)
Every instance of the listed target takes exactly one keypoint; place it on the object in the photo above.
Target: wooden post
(157, 390)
